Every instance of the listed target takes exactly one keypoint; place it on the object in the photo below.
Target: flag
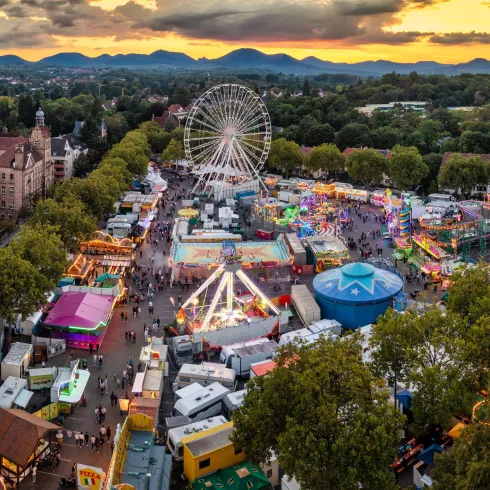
(88, 481)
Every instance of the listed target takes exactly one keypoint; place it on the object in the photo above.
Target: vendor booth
(14, 393)
(17, 361)
(69, 386)
(24, 439)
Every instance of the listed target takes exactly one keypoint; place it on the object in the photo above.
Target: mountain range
(250, 59)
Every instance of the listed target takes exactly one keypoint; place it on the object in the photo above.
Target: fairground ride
(466, 234)
(233, 314)
(227, 139)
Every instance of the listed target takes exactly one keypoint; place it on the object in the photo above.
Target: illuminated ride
(232, 315)
(466, 234)
(227, 138)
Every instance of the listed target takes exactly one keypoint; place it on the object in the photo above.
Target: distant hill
(252, 59)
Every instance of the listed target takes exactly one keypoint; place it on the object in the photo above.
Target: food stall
(69, 386)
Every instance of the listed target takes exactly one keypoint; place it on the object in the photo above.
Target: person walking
(97, 415)
(92, 441)
(97, 444)
(134, 337)
(91, 348)
(112, 447)
(103, 411)
(108, 433)
(102, 432)
(34, 473)
(94, 361)
(86, 438)
(77, 436)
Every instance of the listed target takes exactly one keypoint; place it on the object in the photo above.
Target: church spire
(40, 117)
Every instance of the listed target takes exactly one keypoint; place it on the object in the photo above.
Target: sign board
(49, 412)
(41, 381)
(89, 477)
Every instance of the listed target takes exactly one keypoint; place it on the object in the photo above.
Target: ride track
(445, 232)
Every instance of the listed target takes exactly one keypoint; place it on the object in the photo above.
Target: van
(233, 401)
(205, 374)
(202, 404)
(175, 436)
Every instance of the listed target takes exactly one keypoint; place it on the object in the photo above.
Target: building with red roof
(26, 168)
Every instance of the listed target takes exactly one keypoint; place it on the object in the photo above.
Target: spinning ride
(232, 315)
(227, 138)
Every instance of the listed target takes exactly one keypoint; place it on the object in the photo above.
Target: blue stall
(356, 294)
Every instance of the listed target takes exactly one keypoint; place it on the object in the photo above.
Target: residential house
(26, 168)
(64, 151)
(79, 125)
(162, 120)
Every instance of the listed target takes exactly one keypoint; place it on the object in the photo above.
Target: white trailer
(13, 389)
(250, 354)
(187, 391)
(17, 361)
(175, 436)
(204, 403)
(228, 350)
(305, 304)
(205, 374)
(233, 401)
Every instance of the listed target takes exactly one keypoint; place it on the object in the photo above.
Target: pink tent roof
(80, 310)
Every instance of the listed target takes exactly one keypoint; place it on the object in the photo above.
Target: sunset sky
(448, 31)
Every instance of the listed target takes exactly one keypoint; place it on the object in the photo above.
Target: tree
(366, 166)
(43, 248)
(433, 162)
(353, 135)
(73, 221)
(90, 133)
(406, 167)
(26, 110)
(173, 152)
(136, 160)
(313, 409)
(427, 352)
(385, 138)
(467, 465)
(83, 165)
(326, 158)
(462, 174)
(306, 88)
(285, 155)
(22, 288)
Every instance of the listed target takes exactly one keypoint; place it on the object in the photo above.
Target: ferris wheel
(227, 137)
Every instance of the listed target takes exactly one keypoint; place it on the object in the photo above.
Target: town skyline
(446, 31)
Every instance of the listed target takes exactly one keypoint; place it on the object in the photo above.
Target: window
(269, 473)
(238, 450)
(12, 190)
(10, 216)
(3, 176)
(11, 176)
(11, 205)
(4, 191)
(184, 379)
(204, 463)
(3, 204)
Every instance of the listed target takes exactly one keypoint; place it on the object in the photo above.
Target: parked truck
(181, 350)
(244, 356)
(305, 304)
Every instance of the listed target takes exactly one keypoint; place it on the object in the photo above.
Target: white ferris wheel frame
(234, 116)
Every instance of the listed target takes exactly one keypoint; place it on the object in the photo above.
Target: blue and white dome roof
(357, 283)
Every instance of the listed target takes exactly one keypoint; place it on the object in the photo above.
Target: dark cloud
(369, 7)
(455, 38)
(16, 11)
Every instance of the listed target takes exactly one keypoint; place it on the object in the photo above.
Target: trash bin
(59, 439)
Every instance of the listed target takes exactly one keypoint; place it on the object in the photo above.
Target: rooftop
(210, 442)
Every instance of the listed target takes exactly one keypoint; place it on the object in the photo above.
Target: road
(116, 352)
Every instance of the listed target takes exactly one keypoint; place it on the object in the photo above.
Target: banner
(88, 477)
(49, 412)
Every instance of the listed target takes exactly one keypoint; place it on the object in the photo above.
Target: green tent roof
(245, 476)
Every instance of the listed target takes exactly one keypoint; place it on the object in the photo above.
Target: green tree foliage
(26, 110)
(353, 135)
(306, 88)
(406, 167)
(157, 137)
(136, 160)
(316, 412)
(366, 166)
(285, 155)
(22, 288)
(428, 352)
(90, 133)
(84, 164)
(43, 248)
(433, 162)
(462, 174)
(467, 465)
(326, 158)
(72, 219)
(173, 152)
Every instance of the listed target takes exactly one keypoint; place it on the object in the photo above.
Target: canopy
(455, 432)
(405, 398)
(138, 383)
(427, 455)
(23, 398)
